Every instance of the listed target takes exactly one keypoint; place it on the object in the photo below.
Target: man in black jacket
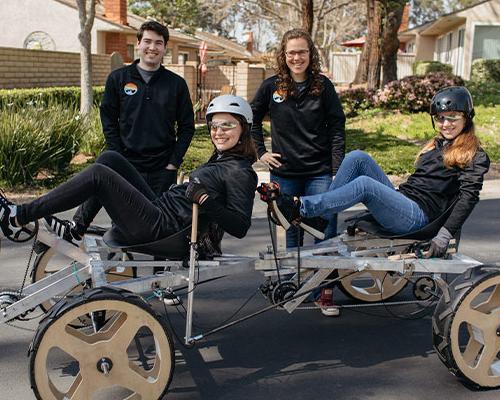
(147, 116)
(146, 111)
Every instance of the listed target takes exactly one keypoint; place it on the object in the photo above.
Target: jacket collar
(136, 75)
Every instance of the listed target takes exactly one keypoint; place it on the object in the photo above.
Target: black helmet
(453, 98)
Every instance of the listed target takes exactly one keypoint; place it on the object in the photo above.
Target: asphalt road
(363, 354)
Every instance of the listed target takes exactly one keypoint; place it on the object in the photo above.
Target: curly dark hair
(285, 82)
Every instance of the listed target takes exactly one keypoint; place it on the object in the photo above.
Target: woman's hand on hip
(271, 160)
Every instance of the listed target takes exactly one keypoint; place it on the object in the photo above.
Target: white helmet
(229, 103)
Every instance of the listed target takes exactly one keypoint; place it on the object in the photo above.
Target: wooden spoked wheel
(479, 358)
(48, 262)
(128, 356)
(372, 286)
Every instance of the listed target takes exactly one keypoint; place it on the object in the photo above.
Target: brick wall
(188, 72)
(117, 42)
(21, 68)
(116, 10)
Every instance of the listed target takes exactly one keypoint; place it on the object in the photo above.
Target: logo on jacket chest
(277, 97)
(130, 89)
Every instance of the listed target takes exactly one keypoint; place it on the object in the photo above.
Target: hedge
(410, 94)
(428, 67)
(66, 96)
(485, 71)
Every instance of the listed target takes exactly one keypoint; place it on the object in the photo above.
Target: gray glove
(439, 244)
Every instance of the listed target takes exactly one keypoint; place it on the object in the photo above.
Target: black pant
(158, 182)
(122, 191)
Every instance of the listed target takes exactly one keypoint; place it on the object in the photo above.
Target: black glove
(439, 244)
(195, 190)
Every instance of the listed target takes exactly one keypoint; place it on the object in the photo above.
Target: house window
(167, 58)
(183, 57)
(440, 49)
(486, 42)
(449, 41)
(39, 40)
(131, 51)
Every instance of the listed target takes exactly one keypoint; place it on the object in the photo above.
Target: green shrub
(485, 93)
(356, 100)
(414, 93)
(38, 97)
(93, 141)
(485, 71)
(199, 151)
(427, 67)
(34, 139)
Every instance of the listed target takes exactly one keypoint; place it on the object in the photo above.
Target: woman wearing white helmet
(223, 187)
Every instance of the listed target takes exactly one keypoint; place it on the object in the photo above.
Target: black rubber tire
(67, 304)
(445, 312)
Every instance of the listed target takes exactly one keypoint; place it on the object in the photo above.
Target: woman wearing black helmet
(224, 187)
(449, 170)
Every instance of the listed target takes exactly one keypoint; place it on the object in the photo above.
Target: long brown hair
(285, 83)
(461, 151)
(245, 146)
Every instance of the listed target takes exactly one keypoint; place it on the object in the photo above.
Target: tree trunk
(364, 62)
(394, 12)
(86, 11)
(307, 15)
(375, 55)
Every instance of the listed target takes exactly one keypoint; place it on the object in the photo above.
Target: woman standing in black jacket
(223, 187)
(307, 123)
(449, 170)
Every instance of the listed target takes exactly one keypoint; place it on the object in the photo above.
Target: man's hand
(439, 244)
(271, 160)
(196, 191)
(171, 167)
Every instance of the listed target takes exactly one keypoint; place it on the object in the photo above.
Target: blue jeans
(306, 186)
(361, 180)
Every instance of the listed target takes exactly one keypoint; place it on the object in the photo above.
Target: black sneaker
(64, 229)
(7, 218)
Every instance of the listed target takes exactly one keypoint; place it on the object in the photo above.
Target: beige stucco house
(54, 25)
(458, 38)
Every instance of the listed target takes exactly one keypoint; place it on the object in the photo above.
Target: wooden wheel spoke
(492, 302)
(478, 319)
(133, 379)
(471, 351)
(76, 391)
(71, 341)
(123, 330)
(134, 396)
(486, 358)
(152, 373)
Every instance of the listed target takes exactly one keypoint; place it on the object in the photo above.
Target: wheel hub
(104, 365)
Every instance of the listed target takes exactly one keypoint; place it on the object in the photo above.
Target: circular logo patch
(130, 89)
(277, 97)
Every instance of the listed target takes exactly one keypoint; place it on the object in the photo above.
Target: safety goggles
(452, 119)
(223, 125)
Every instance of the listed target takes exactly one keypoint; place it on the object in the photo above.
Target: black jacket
(308, 131)
(230, 181)
(139, 119)
(434, 187)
